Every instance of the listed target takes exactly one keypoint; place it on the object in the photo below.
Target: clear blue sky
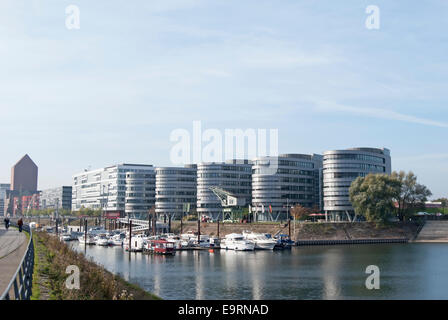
(113, 90)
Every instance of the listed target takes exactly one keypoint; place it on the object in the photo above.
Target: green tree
(373, 196)
(412, 194)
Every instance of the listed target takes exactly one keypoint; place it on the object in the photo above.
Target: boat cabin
(161, 247)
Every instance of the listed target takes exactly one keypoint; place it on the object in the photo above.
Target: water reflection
(331, 268)
(408, 271)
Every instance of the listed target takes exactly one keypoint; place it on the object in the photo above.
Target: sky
(114, 90)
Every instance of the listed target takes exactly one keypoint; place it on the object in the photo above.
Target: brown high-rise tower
(24, 175)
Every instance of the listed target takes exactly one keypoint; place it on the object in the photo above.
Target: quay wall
(302, 230)
(311, 231)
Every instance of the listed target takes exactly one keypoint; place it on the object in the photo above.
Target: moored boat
(117, 239)
(187, 239)
(174, 239)
(236, 241)
(89, 240)
(261, 240)
(137, 243)
(102, 240)
(160, 246)
(66, 237)
(283, 242)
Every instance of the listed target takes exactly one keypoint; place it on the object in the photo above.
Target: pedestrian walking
(20, 224)
(6, 221)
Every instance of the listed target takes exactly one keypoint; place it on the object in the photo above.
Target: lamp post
(105, 202)
(57, 215)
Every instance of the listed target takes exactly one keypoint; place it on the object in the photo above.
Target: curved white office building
(234, 176)
(284, 181)
(175, 186)
(340, 168)
(140, 192)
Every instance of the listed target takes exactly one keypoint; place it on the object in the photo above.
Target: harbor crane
(231, 203)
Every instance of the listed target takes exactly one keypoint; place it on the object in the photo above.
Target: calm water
(408, 271)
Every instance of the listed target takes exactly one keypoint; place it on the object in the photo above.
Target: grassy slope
(96, 283)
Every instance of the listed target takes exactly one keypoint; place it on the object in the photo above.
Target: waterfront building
(122, 189)
(140, 192)
(60, 197)
(4, 188)
(278, 183)
(340, 168)
(175, 187)
(234, 176)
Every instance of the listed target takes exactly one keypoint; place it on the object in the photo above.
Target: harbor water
(407, 271)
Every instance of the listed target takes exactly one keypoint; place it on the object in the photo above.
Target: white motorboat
(214, 242)
(236, 241)
(66, 237)
(174, 239)
(204, 241)
(185, 243)
(95, 231)
(187, 239)
(117, 239)
(102, 240)
(89, 241)
(260, 240)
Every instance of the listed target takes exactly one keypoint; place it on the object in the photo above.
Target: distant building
(60, 197)
(341, 168)
(175, 187)
(24, 204)
(4, 188)
(23, 194)
(140, 192)
(119, 189)
(234, 176)
(295, 180)
(24, 175)
(433, 204)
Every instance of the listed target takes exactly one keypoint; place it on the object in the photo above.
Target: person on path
(6, 221)
(20, 224)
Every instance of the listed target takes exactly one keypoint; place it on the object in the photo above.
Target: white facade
(123, 188)
(341, 168)
(296, 180)
(175, 186)
(234, 176)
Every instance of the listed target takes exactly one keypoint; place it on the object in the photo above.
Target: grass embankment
(96, 283)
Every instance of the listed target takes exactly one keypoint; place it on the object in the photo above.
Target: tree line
(381, 197)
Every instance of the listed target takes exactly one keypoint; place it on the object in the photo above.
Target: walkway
(434, 231)
(13, 245)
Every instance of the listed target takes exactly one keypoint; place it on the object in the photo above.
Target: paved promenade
(434, 231)
(13, 245)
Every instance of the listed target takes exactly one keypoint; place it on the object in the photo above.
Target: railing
(419, 228)
(22, 280)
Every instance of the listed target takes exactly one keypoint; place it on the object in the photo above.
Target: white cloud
(424, 157)
(377, 113)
